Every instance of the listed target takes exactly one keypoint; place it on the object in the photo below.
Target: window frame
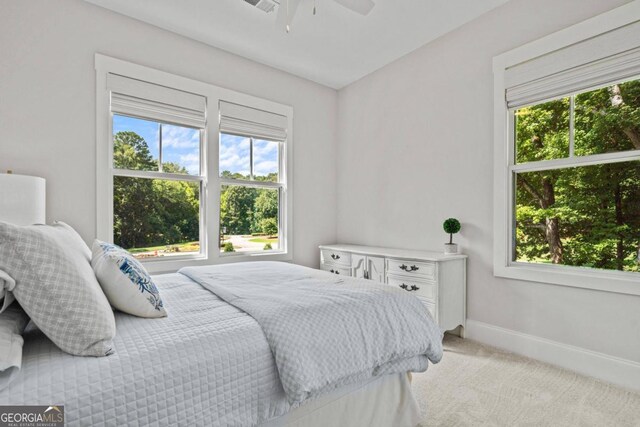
(280, 185)
(165, 176)
(209, 160)
(505, 164)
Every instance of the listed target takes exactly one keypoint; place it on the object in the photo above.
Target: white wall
(47, 106)
(415, 145)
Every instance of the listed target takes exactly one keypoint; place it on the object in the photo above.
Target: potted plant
(451, 226)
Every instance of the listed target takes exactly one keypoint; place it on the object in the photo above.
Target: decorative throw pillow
(12, 323)
(56, 287)
(125, 281)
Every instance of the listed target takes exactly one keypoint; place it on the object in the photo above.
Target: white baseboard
(615, 370)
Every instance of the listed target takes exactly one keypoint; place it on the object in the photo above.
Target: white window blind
(147, 100)
(242, 120)
(608, 58)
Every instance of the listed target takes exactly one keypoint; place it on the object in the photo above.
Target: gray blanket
(327, 331)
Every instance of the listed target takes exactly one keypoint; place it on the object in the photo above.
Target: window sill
(251, 254)
(160, 266)
(621, 282)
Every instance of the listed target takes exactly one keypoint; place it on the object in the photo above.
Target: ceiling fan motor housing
(266, 6)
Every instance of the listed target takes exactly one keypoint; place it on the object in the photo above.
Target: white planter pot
(450, 248)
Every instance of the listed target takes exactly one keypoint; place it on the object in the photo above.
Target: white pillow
(125, 282)
(12, 324)
(6, 286)
(56, 286)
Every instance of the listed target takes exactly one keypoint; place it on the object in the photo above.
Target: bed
(207, 363)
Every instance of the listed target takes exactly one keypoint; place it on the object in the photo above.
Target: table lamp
(22, 199)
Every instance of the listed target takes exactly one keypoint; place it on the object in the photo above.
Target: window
(249, 194)
(567, 158)
(186, 169)
(570, 212)
(156, 187)
(252, 180)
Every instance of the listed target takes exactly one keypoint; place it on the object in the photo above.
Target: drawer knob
(409, 288)
(334, 256)
(407, 268)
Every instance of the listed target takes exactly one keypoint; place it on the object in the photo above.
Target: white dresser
(438, 280)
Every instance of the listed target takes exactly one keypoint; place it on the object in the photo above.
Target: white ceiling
(334, 48)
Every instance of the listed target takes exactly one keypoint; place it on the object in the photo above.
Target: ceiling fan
(288, 8)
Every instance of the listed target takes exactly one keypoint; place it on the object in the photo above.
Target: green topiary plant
(451, 226)
(269, 226)
(228, 247)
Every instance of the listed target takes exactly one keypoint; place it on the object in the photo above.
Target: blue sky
(181, 145)
(234, 155)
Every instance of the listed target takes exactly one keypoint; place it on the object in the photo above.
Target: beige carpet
(477, 385)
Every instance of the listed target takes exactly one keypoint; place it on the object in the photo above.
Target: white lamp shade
(22, 199)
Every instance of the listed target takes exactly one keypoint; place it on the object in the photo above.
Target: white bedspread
(327, 331)
(208, 363)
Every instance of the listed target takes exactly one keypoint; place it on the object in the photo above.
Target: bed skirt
(384, 402)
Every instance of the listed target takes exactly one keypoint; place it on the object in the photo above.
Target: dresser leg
(458, 331)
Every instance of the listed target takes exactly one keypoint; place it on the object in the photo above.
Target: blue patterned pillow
(125, 282)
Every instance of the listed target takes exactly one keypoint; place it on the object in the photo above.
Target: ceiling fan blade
(363, 7)
(282, 20)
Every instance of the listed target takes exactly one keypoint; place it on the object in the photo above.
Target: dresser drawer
(335, 257)
(425, 270)
(420, 288)
(335, 270)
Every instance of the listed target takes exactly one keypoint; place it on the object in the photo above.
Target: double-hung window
(567, 196)
(156, 141)
(189, 173)
(252, 179)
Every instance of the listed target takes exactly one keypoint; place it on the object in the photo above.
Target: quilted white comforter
(207, 363)
(327, 331)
